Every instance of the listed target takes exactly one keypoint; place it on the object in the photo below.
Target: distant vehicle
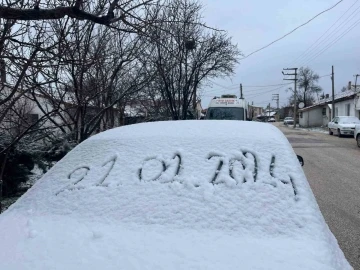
(271, 119)
(228, 107)
(357, 134)
(343, 125)
(172, 195)
(288, 121)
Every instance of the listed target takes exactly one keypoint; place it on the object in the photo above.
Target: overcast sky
(253, 24)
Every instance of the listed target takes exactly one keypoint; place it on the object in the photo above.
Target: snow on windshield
(235, 176)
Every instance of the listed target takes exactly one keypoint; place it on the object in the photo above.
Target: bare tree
(186, 54)
(307, 84)
(97, 69)
(129, 16)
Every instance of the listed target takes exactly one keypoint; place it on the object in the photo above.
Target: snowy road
(332, 166)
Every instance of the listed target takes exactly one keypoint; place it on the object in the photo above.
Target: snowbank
(172, 195)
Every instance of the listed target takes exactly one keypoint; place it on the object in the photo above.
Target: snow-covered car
(271, 119)
(172, 195)
(357, 134)
(288, 121)
(343, 125)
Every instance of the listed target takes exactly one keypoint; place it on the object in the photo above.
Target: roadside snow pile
(314, 129)
(172, 195)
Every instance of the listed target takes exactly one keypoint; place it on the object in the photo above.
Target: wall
(357, 106)
(327, 118)
(341, 106)
(312, 117)
(315, 118)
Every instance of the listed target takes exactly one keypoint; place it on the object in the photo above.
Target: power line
(327, 38)
(233, 85)
(335, 41)
(250, 95)
(311, 55)
(292, 30)
(264, 85)
(304, 53)
(261, 88)
(230, 87)
(269, 91)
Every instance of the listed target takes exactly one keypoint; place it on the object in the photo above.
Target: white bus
(228, 107)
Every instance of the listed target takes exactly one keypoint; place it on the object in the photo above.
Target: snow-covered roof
(267, 114)
(172, 195)
(339, 96)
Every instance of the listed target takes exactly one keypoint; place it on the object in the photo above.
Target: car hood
(347, 125)
(172, 195)
(54, 242)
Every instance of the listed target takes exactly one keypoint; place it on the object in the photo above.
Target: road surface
(332, 167)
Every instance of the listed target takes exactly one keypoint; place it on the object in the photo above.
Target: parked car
(357, 134)
(343, 125)
(288, 121)
(271, 119)
(172, 195)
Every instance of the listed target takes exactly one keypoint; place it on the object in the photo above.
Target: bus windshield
(225, 113)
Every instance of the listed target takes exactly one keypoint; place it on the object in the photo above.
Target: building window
(336, 112)
(323, 111)
(348, 109)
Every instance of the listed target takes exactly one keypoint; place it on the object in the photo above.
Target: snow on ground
(315, 129)
(311, 129)
(172, 195)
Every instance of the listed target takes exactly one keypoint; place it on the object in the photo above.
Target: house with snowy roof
(266, 115)
(320, 113)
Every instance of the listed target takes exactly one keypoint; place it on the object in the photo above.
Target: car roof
(158, 193)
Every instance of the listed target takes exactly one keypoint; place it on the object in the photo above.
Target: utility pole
(276, 98)
(295, 92)
(356, 75)
(332, 92)
(252, 110)
(269, 111)
(241, 92)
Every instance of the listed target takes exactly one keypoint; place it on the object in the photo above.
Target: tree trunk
(2, 170)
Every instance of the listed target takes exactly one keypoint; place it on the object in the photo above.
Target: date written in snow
(241, 169)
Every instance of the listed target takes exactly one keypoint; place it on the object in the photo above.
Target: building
(320, 113)
(53, 110)
(266, 115)
(255, 111)
(287, 111)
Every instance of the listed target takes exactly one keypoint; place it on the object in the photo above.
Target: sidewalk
(312, 129)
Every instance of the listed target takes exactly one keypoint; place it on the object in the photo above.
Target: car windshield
(349, 120)
(288, 118)
(225, 113)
